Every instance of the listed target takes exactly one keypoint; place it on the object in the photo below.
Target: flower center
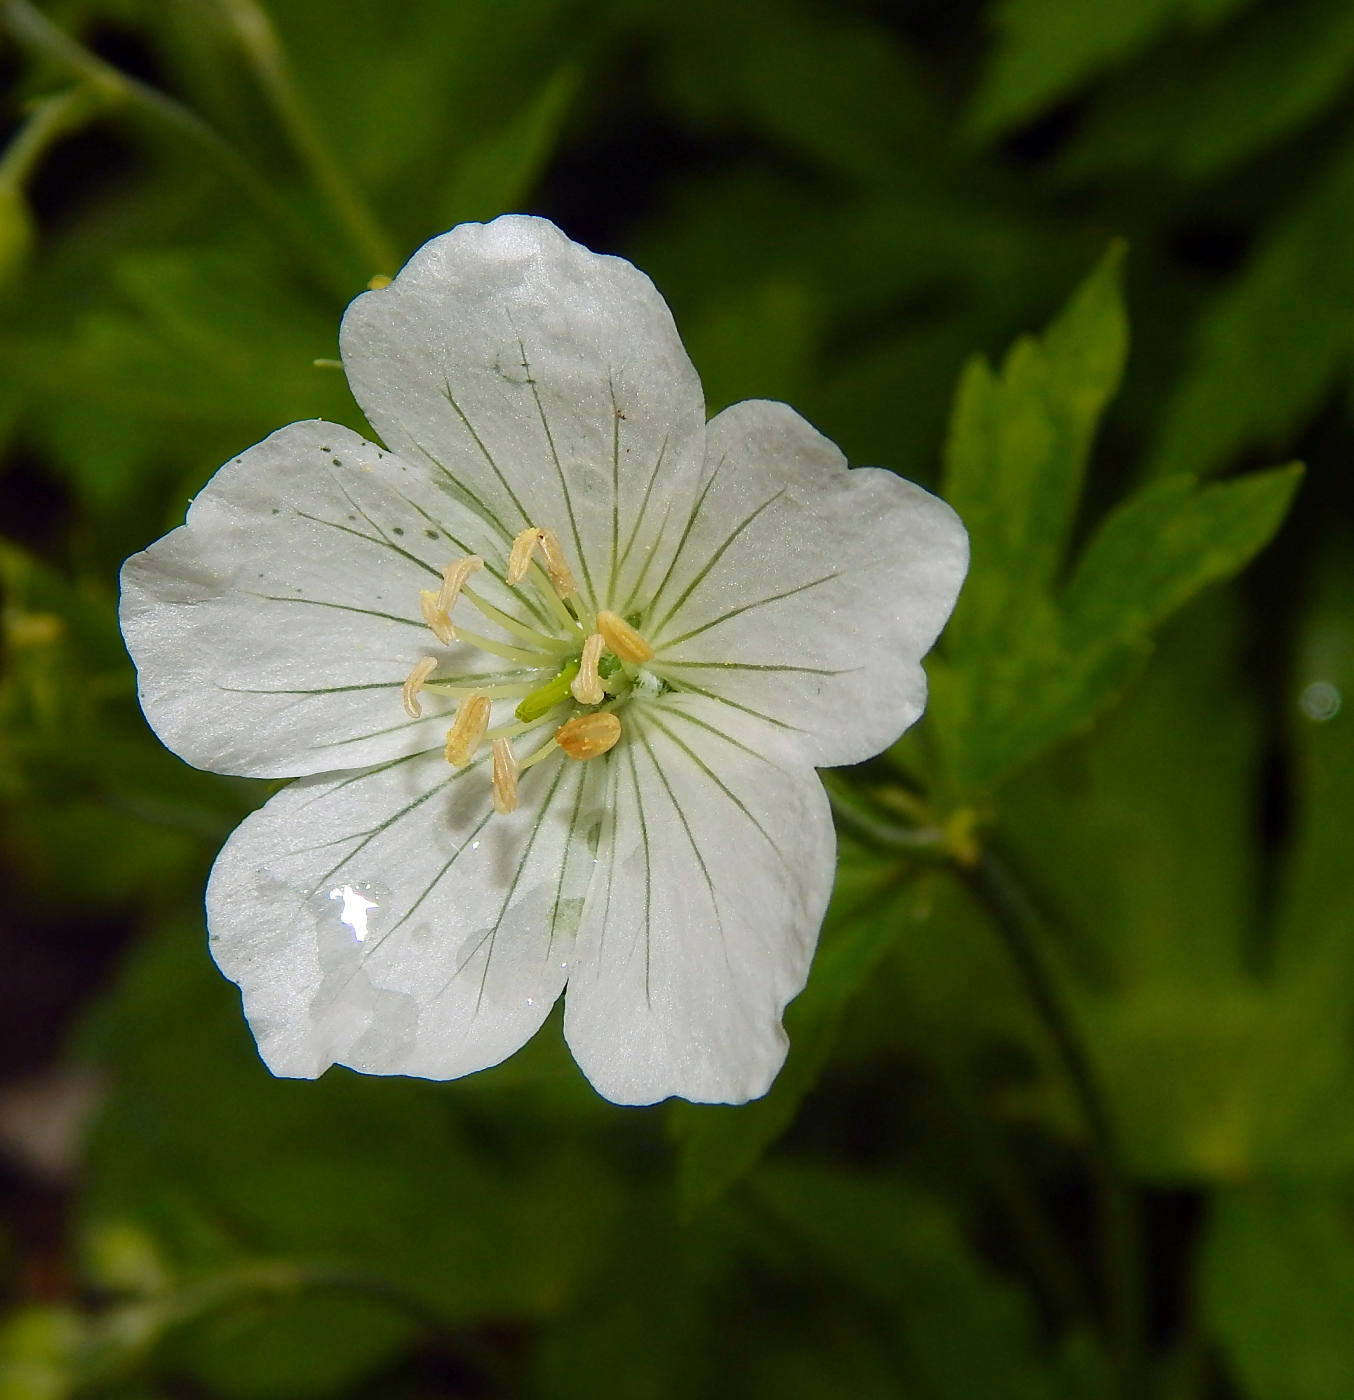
(573, 682)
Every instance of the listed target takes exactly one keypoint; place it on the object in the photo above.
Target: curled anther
(524, 548)
(505, 777)
(436, 607)
(435, 617)
(413, 683)
(589, 736)
(467, 730)
(587, 684)
(622, 641)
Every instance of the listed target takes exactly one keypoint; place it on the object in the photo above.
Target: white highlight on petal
(355, 907)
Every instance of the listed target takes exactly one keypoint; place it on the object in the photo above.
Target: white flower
(714, 609)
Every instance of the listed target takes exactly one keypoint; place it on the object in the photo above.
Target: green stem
(1022, 932)
(258, 37)
(40, 36)
(49, 119)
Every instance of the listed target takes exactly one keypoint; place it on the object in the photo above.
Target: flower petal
(391, 921)
(713, 874)
(272, 631)
(804, 592)
(547, 379)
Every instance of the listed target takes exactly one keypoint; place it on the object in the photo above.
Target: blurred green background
(1070, 1109)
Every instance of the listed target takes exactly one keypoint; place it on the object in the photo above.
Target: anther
(556, 565)
(589, 736)
(587, 684)
(436, 607)
(468, 730)
(414, 683)
(429, 606)
(622, 641)
(505, 777)
(524, 548)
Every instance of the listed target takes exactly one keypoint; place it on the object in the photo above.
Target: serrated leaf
(1017, 452)
(1026, 661)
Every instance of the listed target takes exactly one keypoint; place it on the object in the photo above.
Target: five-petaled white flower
(553, 669)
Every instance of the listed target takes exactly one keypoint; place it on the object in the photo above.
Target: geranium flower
(552, 668)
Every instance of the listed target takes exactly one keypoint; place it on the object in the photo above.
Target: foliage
(1087, 985)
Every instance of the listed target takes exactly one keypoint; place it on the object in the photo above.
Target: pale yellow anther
(453, 577)
(414, 683)
(505, 777)
(589, 736)
(468, 730)
(434, 616)
(436, 607)
(524, 548)
(556, 565)
(622, 640)
(587, 684)
(519, 556)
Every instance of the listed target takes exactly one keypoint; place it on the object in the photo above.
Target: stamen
(544, 752)
(414, 683)
(589, 736)
(519, 556)
(518, 629)
(525, 546)
(453, 577)
(433, 615)
(587, 684)
(505, 777)
(436, 607)
(556, 565)
(468, 730)
(622, 640)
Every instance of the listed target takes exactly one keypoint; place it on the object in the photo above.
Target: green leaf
(1148, 557)
(1271, 346)
(40, 1351)
(1026, 660)
(1017, 454)
(1197, 107)
(195, 354)
(957, 1330)
(1048, 48)
(1317, 911)
(224, 1164)
(719, 1143)
(1278, 1287)
(496, 174)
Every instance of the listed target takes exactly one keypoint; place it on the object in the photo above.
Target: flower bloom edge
(552, 668)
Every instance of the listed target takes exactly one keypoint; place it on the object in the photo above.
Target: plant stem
(258, 37)
(49, 119)
(1021, 930)
(38, 34)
